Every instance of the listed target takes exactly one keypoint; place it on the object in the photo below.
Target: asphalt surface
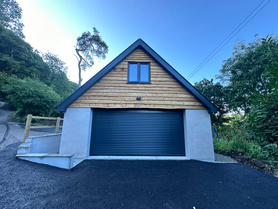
(5, 118)
(11, 132)
(133, 184)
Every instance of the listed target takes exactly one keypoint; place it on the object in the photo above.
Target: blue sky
(183, 32)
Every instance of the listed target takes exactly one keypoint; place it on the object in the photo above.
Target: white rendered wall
(76, 133)
(45, 144)
(198, 135)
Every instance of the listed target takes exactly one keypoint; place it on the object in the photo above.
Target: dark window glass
(144, 73)
(139, 72)
(132, 73)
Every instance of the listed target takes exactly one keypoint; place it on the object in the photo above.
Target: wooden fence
(29, 121)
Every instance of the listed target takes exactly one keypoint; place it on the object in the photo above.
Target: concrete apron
(218, 158)
(68, 161)
(137, 158)
(45, 150)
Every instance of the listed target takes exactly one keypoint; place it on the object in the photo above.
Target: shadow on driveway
(134, 184)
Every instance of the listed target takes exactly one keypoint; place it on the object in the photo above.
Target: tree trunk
(79, 68)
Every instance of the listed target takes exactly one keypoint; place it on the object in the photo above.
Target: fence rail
(29, 122)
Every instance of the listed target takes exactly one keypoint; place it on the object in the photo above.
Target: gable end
(157, 59)
(114, 90)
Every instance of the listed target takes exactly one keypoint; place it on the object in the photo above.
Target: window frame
(138, 72)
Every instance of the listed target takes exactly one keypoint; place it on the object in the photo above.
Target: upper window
(138, 72)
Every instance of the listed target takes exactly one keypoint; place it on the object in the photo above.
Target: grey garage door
(137, 133)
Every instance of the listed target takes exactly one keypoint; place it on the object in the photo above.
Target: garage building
(137, 106)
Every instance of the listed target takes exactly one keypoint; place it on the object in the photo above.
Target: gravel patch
(224, 159)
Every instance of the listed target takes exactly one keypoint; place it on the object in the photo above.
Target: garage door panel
(135, 132)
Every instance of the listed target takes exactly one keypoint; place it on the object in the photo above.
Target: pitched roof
(137, 44)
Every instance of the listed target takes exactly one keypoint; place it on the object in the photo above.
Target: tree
(10, 15)
(17, 57)
(29, 83)
(248, 73)
(217, 94)
(62, 85)
(262, 120)
(58, 79)
(251, 78)
(55, 64)
(3, 80)
(31, 96)
(89, 45)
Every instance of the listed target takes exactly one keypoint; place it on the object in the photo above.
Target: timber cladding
(113, 91)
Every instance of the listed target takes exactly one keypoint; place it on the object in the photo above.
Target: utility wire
(227, 39)
(201, 64)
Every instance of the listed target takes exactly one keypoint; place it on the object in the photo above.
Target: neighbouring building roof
(137, 44)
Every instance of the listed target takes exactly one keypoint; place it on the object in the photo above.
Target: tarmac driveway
(134, 184)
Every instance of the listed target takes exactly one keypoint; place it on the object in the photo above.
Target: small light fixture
(138, 98)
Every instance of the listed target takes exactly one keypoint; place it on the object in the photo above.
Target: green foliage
(235, 144)
(54, 63)
(10, 15)
(232, 137)
(251, 82)
(250, 72)
(249, 147)
(255, 150)
(62, 86)
(58, 79)
(270, 152)
(17, 58)
(89, 45)
(217, 94)
(31, 96)
(221, 145)
(262, 121)
(235, 137)
(3, 81)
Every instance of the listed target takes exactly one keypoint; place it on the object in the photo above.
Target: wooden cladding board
(113, 91)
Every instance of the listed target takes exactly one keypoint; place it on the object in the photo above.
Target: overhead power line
(229, 37)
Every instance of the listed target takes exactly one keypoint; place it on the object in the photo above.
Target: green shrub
(232, 141)
(255, 150)
(62, 86)
(239, 144)
(30, 96)
(235, 138)
(3, 81)
(221, 145)
(270, 152)
(262, 121)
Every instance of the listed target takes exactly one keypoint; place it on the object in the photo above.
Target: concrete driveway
(134, 184)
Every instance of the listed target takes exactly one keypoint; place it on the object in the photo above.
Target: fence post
(27, 127)
(57, 125)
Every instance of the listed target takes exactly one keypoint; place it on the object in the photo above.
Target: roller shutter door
(137, 133)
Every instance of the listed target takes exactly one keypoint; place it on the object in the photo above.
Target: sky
(183, 32)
